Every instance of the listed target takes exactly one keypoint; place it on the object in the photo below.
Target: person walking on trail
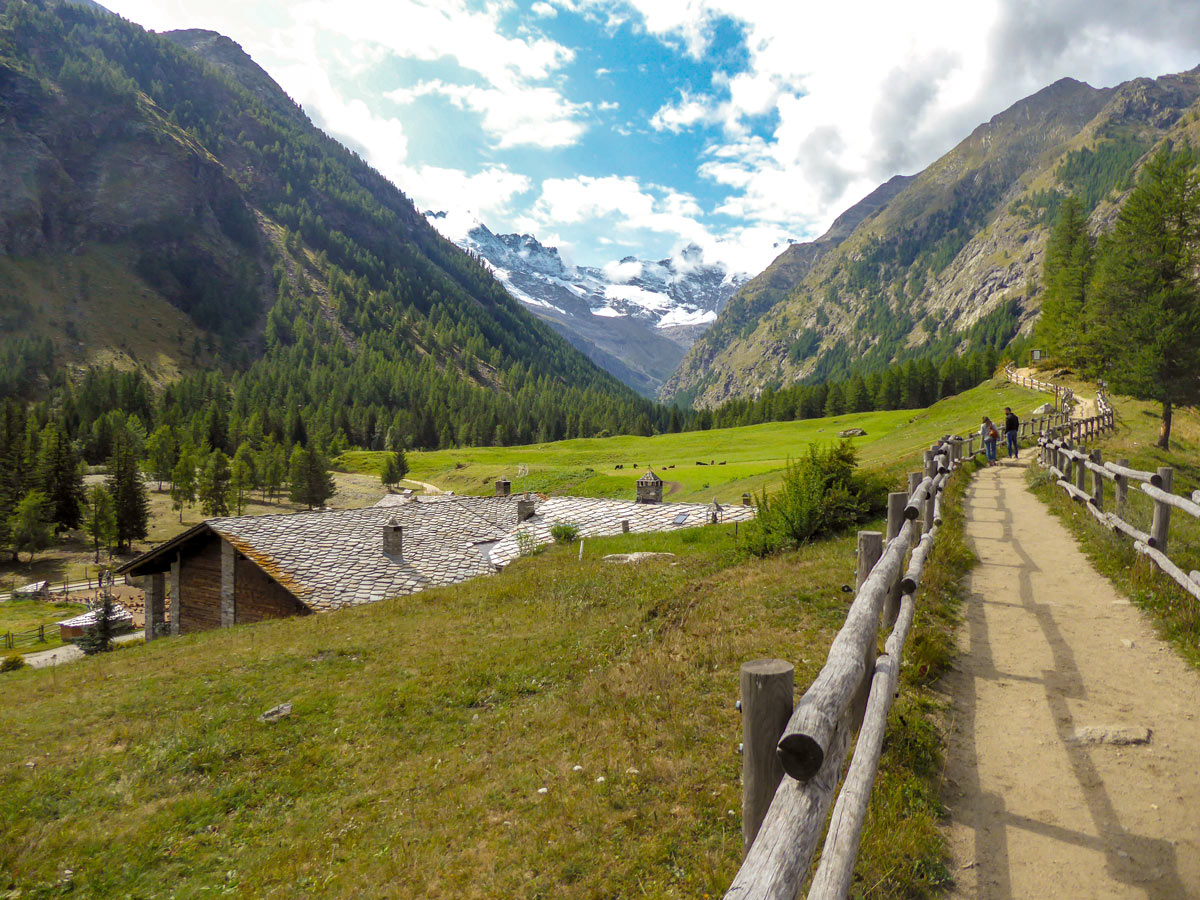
(990, 437)
(1012, 428)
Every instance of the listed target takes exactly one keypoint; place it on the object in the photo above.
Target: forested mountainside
(168, 210)
(947, 259)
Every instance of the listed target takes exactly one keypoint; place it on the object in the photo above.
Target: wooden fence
(11, 640)
(782, 817)
(1070, 466)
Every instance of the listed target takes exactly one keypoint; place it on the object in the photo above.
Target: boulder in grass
(275, 713)
(852, 432)
(1044, 409)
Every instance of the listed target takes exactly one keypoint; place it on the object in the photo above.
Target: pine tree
(183, 481)
(388, 477)
(311, 481)
(244, 477)
(1145, 312)
(30, 524)
(60, 478)
(12, 452)
(212, 486)
(1066, 273)
(100, 519)
(161, 454)
(99, 638)
(128, 490)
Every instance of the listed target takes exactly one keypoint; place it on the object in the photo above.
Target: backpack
(993, 434)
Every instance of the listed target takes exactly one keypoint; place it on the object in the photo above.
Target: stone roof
(333, 559)
(649, 478)
(595, 517)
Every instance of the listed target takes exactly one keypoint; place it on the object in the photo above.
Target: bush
(822, 493)
(12, 662)
(564, 533)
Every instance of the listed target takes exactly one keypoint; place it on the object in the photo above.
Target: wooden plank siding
(257, 596)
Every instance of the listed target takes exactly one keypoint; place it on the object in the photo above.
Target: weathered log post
(1161, 523)
(767, 688)
(1097, 482)
(1080, 475)
(1121, 488)
(870, 549)
(914, 482)
(927, 518)
(930, 467)
(895, 521)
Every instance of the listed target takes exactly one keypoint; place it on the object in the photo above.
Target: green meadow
(699, 466)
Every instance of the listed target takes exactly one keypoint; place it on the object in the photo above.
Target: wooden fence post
(1080, 474)
(767, 687)
(895, 521)
(870, 548)
(1161, 524)
(914, 482)
(1097, 483)
(1121, 489)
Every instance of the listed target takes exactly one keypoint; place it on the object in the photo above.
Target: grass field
(19, 616)
(747, 459)
(1176, 613)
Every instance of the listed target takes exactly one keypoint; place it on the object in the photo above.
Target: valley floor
(1056, 670)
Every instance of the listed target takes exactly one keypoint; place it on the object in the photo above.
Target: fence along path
(854, 691)
(782, 825)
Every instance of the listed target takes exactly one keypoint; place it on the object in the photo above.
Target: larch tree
(1067, 274)
(128, 490)
(1145, 307)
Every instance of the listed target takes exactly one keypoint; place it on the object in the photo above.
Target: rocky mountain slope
(165, 206)
(945, 256)
(635, 318)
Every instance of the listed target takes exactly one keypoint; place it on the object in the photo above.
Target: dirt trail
(1049, 648)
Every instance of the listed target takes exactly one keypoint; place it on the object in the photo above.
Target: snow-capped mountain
(635, 318)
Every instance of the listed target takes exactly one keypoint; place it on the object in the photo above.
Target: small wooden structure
(649, 488)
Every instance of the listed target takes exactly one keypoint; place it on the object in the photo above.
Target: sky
(636, 128)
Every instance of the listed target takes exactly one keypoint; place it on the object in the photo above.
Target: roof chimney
(503, 487)
(526, 507)
(393, 538)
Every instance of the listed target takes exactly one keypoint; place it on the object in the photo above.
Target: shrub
(822, 493)
(12, 662)
(564, 533)
(526, 544)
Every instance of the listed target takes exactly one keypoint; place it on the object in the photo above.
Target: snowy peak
(635, 317)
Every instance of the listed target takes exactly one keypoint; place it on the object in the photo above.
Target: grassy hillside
(564, 730)
(748, 459)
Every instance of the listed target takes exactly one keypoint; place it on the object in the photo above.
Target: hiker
(1012, 427)
(990, 437)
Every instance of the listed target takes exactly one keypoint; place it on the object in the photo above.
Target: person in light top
(990, 437)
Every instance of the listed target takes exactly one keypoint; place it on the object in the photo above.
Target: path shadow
(1121, 848)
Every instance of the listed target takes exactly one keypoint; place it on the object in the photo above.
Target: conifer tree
(243, 478)
(212, 486)
(100, 518)
(99, 638)
(29, 526)
(128, 490)
(1066, 273)
(311, 481)
(59, 477)
(183, 481)
(161, 454)
(1145, 313)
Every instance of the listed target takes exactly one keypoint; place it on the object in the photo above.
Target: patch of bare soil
(1072, 766)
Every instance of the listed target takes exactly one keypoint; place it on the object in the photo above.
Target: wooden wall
(258, 597)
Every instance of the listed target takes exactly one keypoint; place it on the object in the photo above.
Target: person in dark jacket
(1012, 428)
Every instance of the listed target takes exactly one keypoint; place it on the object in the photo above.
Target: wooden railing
(1064, 397)
(792, 758)
(1070, 466)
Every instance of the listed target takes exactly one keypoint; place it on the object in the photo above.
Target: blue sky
(637, 127)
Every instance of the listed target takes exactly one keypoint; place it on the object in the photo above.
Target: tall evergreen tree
(60, 477)
(183, 481)
(212, 486)
(161, 453)
(128, 490)
(1145, 312)
(29, 525)
(1066, 273)
(100, 518)
(311, 481)
(243, 477)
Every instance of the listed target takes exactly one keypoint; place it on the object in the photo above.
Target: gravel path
(1058, 674)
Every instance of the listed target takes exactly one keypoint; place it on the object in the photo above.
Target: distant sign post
(523, 472)
(1035, 355)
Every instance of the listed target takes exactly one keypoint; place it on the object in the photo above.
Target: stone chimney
(393, 538)
(526, 507)
(649, 488)
(746, 501)
(503, 487)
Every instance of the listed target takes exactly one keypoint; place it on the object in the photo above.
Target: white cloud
(620, 272)
(543, 10)
(519, 115)
(466, 199)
